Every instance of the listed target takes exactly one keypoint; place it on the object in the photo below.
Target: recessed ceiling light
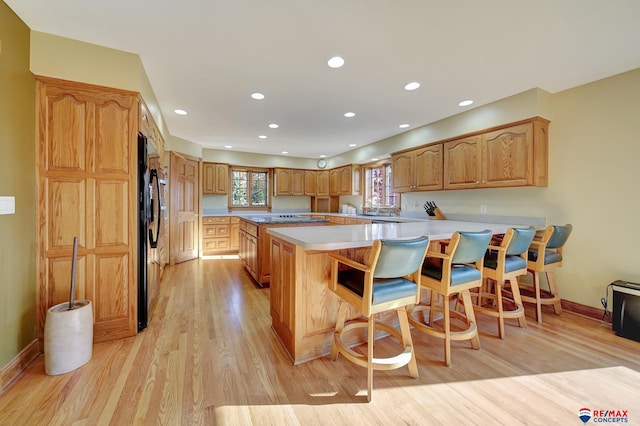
(273, 126)
(262, 136)
(180, 111)
(228, 146)
(374, 159)
(352, 145)
(403, 126)
(411, 86)
(257, 95)
(465, 103)
(285, 152)
(322, 156)
(349, 114)
(335, 62)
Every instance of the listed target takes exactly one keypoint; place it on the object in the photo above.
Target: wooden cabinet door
(297, 182)
(185, 208)
(310, 182)
(234, 236)
(282, 184)
(282, 289)
(322, 183)
(507, 157)
(428, 168)
(402, 169)
(87, 188)
(462, 158)
(215, 178)
(334, 182)
(345, 180)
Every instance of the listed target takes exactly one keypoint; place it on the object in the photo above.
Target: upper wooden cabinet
(215, 178)
(322, 183)
(514, 155)
(462, 163)
(418, 169)
(345, 180)
(310, 182)
(288, 182)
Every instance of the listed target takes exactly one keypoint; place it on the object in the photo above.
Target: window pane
(258, 188)
(239, 188)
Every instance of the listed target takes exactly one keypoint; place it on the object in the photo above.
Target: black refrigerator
(149, 224)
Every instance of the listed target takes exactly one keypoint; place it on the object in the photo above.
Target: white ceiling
(208, 56)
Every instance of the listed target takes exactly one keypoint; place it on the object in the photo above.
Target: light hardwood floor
(210, 357)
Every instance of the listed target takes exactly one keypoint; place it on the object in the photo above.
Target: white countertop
(352, 236)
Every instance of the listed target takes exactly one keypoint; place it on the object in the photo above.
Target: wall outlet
(7, 205)
(483, 208)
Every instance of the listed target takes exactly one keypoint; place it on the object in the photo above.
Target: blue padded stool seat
(512, 263)
(384, 289)
(549, 256)
(460, 274)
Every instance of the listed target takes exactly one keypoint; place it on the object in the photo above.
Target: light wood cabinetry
(215, 178)
(288, 182)
(234, 234)
(356, 221)
(255, 247)
(418, 169)
(462, 163)
(516, 155)
(322, 183)
(310, 182)
(513, 155)
(345, 180)
(87, 187)
(220, 234)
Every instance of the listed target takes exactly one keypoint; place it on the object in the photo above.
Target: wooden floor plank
(209, 356)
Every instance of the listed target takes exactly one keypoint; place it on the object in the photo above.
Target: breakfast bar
(303, 309)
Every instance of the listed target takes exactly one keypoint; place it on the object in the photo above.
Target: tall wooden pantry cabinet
(86, 164)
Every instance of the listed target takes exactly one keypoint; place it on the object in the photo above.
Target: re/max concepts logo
(603, 416)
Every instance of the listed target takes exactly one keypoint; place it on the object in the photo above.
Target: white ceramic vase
(68, 337)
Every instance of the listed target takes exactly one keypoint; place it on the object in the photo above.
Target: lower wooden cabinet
(220, 234)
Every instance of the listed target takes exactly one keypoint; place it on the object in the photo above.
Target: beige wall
(17, 178)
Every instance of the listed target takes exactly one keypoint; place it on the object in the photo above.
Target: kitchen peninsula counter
(303, 309)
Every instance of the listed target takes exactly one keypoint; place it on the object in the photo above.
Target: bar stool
(453, 272)
(503, 264)
(544, 256)
(390, 280)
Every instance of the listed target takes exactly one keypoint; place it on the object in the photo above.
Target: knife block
(438, 214)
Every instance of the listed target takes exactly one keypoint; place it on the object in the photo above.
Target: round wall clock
(322, 163)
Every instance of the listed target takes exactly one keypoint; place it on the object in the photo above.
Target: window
(379, 187)
(249, 188)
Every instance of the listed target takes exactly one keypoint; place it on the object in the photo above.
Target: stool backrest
(559, 236)
(471, 247)
(400, 257)
(520, 241)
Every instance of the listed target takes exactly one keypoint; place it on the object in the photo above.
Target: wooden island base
(303, 309)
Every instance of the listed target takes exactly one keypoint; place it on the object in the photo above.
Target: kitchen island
(255, 242)
(303, 309)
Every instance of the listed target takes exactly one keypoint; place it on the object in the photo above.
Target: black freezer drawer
(626, 309)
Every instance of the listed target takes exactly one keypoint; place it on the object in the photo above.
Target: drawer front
(212, 245)
(216, 230)
(252, 229)
(211, 220)
(234, 219)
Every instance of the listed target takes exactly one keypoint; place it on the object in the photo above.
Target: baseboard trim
(19, 364)
(587, 311)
